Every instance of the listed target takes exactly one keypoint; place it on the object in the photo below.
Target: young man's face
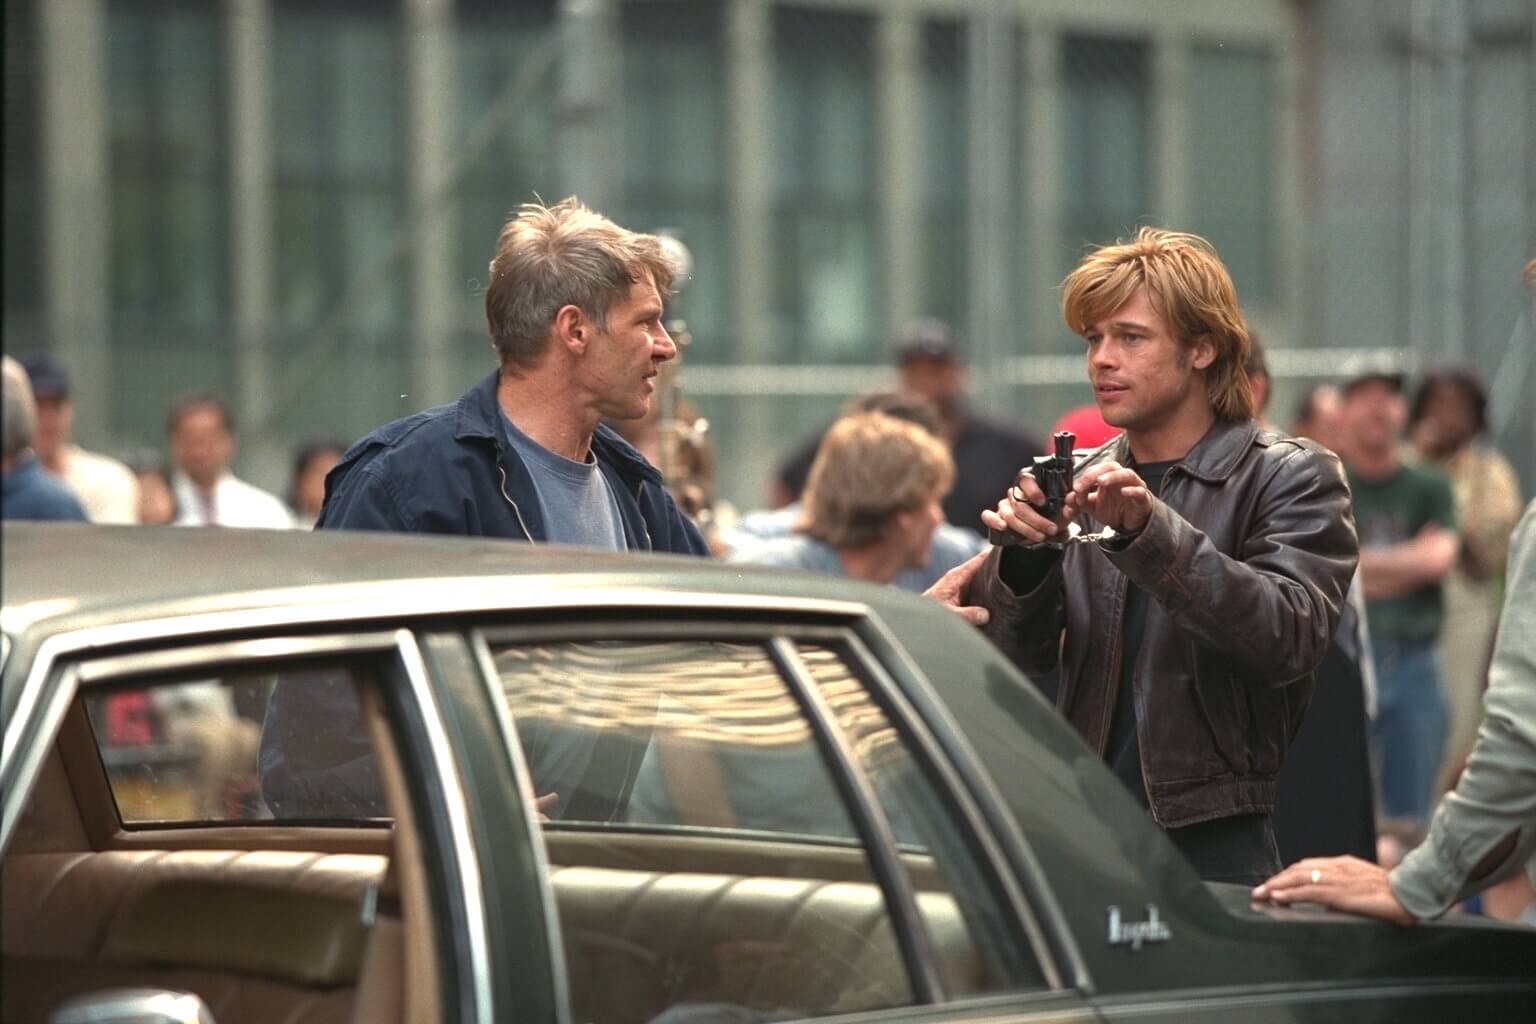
(917, 526)
(201, 446)
(55, 423)
(1142, 376)
(620, 364)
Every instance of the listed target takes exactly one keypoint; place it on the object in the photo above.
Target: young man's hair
(191, 403)
(548, 257)
(17, 409)
(869, 467)
(1188, 286)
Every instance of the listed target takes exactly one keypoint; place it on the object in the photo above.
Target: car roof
(59, 577)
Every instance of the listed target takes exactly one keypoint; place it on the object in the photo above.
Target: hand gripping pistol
(1054, 474)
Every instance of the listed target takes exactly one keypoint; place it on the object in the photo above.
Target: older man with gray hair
(573, 308)
(29, 491)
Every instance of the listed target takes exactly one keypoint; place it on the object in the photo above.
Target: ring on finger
(1317, 876)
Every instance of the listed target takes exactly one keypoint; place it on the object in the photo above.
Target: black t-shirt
(1122, 752)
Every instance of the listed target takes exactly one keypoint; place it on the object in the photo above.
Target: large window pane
(342, 245)
(166, 111)
(23, 242)
(826, 296)
(1106, 144)
(505, 129)
(673, 114)
(945, 174)
(1232, 187)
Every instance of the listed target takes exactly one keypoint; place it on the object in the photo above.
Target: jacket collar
(480, 416)
(1213, 457)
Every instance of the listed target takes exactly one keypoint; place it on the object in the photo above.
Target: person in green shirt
(1408, 543)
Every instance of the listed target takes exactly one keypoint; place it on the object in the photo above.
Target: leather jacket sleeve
(1275, 608)
(1025, 626)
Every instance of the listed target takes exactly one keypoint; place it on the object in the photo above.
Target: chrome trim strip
(1016, 846)
(18, 772)
(1174, 1004)
(915, 728)
(343, 603)
(910, 932)
(263, 649)
(481, 651)
(452, 793)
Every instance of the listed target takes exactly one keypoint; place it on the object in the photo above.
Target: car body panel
(1077, 852)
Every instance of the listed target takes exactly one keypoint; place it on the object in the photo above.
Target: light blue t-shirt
(951, 546)
(579, 507)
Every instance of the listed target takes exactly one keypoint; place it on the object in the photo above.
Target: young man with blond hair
(872, 502)
(1186, 617)
(573, 308)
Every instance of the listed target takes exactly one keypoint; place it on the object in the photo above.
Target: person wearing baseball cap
(107, 488)
(1405, 514)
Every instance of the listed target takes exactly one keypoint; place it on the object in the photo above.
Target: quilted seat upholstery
(639, 942)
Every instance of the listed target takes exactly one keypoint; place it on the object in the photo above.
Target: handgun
(1054, 474)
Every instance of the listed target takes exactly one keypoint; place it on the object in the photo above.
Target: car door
(740, 822)
(277, 821)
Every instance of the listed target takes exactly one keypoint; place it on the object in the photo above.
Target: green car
(377, 778)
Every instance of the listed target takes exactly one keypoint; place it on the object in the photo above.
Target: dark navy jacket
(31, 492)
(453, 470)
(448, 470)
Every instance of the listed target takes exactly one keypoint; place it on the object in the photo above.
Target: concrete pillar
(1170, 126)
(74, 173)
(429, 96)
(991, 73)
(588, 72)
(248, 39)
(1042, 181)
(898, 78)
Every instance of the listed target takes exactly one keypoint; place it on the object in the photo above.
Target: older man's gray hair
(20, 411)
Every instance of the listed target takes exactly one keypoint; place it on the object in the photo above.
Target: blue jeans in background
(1408, 735)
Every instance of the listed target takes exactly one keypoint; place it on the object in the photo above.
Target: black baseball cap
(49, 378)
(926, 339)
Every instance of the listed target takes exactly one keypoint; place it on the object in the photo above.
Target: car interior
(312, 923)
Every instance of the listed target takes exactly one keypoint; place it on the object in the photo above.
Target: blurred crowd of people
(892, 491)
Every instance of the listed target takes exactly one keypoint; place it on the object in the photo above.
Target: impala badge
(1135, 933)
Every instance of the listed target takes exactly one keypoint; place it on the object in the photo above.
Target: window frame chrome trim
(466, 862)
(1022, 866)
(480, 651)
(869, 819)
(250, 651)
(952, 785)
(45, 700)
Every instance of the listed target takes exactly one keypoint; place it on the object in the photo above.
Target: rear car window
(253, 745)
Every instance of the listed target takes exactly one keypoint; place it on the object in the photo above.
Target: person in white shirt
(202, 442)
(107, 488)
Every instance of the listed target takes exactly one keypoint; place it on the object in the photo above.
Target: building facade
(293, 202)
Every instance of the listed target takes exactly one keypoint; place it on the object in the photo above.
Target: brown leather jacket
(1247, 556)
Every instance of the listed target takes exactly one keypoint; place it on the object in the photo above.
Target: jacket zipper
(1141, 748)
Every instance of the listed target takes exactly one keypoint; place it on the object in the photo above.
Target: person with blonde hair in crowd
(1184, 621)
(871, 505)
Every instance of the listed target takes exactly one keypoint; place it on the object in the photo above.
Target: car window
(698, 734)
(704, 858)
(967, 919)
(242, 745)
